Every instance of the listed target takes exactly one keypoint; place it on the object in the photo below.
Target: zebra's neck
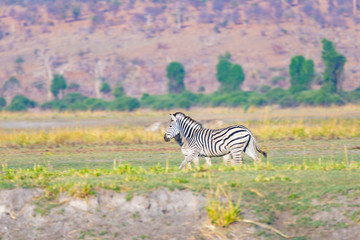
(178, 139)
(188, 128)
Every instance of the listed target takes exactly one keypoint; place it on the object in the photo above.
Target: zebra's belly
(210, 154)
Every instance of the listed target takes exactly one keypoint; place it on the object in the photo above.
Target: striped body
(185, 149)
(212, 142)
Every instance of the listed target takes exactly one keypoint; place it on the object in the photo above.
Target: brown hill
(132, 43)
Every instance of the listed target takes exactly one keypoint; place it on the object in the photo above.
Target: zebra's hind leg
(237, 159)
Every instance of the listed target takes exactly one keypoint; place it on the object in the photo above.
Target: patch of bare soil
(159, 214)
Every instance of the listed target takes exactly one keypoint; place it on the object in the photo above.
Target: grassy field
(313, 165)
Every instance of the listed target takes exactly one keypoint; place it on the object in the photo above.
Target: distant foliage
(76, 12)
(301, 73)
(2, 102)
(105, 88)
(11, 84)
(176, 74)
(79, 102)
(19, 60)
(334, 67)
(230, 75)
(124, 103)
(118, 91)
(20, 103)
(58, 84)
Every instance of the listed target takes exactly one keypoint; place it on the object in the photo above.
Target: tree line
(230, 75)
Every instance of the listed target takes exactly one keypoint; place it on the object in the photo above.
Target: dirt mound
(160, 214)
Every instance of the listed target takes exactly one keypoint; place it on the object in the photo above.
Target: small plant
(82, 190)
(221, 209)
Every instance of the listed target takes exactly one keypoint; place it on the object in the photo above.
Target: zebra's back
(219, 142)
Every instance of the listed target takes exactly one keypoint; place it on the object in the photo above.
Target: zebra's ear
(173, 118)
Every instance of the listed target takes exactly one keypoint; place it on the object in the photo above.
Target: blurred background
(162, 54)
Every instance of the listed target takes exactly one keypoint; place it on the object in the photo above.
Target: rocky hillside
(131, 42)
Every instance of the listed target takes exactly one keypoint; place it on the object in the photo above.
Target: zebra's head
(173, 129)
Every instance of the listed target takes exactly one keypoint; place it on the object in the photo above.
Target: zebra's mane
(182, 116)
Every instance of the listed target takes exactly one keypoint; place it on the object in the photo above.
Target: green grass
(300, 177)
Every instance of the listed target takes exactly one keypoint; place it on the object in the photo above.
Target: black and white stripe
(212, 142)
(184, 146)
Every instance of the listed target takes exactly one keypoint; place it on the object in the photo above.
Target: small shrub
(105, 88)
(124, 103)
(2, 102)
(276, 94)
(54, 105)
(222, 213)
(12, 83)
(118, 92)
(264, 88)
(258, 100)
(20, 103)
(95, 104)
(277, 79)
(352, 96)
(318, 97)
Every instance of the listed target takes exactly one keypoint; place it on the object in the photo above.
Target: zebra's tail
(259, 150)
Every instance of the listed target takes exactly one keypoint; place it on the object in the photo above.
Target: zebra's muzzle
(166, 138)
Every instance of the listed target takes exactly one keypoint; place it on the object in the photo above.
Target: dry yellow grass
(268, 129)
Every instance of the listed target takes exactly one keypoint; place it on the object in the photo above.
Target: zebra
(186, 150)
(213, 142)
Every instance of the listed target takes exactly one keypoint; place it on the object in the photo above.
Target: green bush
(287, 101)
(318, 97)
(12, 83)
(54, 105)
(2, 102)
(20, 103)
(95, 104)
(264, 88)
(258, 100)
(353, 96)
(105, 88)
(276, 95)
(124, 103)
(118, 92)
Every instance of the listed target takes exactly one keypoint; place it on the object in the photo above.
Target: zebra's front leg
(188, 159)
(208, 161)
(227, 159)
(195, 161)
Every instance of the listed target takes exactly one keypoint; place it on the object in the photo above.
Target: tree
(2, 102)
(58, 84)
(301, 73)
(230, 75)
(105, 88)
(176, 74)
(76, 12)
(119, 92)
(334, 67)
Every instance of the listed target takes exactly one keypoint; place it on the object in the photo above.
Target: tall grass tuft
(221, 209)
